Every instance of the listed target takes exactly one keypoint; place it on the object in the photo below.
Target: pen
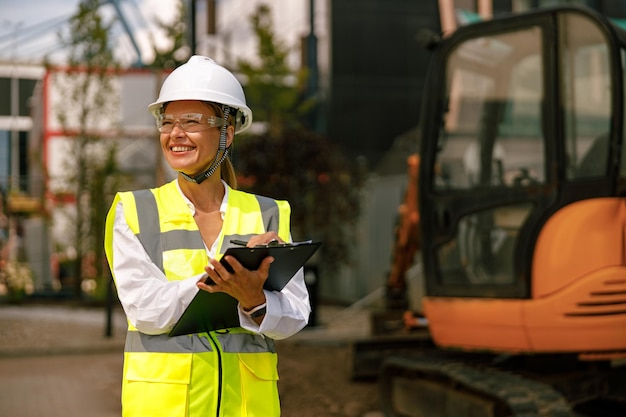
(272, 244)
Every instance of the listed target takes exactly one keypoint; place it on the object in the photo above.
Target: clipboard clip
(271, 244)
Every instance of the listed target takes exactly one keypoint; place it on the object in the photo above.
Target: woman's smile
(180, 148)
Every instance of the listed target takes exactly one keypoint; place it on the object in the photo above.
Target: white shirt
(153, 304)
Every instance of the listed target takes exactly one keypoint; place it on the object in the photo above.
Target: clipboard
(216, 311)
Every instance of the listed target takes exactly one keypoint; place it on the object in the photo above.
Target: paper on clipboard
(216, 311)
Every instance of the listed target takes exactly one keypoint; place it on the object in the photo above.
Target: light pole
(15, 112)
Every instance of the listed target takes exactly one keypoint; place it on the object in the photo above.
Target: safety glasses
(189, 122)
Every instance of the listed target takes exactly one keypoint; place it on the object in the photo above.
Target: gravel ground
(315, 382)
(314, 366)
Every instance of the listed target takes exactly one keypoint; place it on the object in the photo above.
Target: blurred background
(336, 90)
(335, 87)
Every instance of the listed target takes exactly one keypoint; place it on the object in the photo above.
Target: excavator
(521, 224)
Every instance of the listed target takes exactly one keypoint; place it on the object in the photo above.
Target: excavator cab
(522, 186)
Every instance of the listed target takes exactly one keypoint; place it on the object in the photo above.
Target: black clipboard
(216, 311)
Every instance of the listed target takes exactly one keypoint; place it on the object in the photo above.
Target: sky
(28, 28)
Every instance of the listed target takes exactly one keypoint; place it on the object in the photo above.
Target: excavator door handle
(442, 219)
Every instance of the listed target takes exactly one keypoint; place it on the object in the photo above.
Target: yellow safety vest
(227, 373)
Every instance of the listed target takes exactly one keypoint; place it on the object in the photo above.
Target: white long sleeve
(152, 303)
(287, 311)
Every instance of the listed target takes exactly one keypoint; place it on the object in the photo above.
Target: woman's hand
(244, 285)
(264, 239)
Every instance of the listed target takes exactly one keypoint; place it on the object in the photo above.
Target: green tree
(179, 51)
(272, 87)
(88, 98)
(321, 185)
(290, 162)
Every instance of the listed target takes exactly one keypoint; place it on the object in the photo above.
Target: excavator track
(447, 387)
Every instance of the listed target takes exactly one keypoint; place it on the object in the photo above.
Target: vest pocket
(156, 384)
(259, 376)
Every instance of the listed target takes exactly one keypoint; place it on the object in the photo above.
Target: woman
(163, 243)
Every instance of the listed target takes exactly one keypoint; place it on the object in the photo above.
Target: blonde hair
(228, 173)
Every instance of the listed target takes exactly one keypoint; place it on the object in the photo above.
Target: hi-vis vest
(228, 373)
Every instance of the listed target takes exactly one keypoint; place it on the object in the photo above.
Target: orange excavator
(407, 239)
(522, 224)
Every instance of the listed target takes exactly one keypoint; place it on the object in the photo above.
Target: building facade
(38, 160)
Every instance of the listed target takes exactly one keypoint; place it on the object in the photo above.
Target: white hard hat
(203, 79)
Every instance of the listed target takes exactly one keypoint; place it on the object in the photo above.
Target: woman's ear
(230, 134)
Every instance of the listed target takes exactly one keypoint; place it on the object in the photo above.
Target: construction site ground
(55, 360)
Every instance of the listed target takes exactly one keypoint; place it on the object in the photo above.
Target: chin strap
(216, 161)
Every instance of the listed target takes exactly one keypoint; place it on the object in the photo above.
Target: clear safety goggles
(189, 122)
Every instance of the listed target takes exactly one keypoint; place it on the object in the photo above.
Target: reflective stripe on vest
(155, 242)
(196, 343)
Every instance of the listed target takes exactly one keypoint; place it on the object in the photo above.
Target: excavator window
(587, 101)
(491, 139)
(524, 129)
(492, 130)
